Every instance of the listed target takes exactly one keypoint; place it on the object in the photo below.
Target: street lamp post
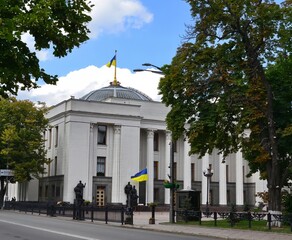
(208, 174)
(172, 189)
(158, 71)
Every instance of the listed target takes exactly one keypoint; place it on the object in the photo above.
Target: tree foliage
(60, 24)
(21, 140)
(221, 95)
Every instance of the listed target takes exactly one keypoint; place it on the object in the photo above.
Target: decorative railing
(110, 213)
(235, 217)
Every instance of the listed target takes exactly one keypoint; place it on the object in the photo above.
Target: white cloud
(43, 55)
(82, 81)
(108, 16)
(112, 16)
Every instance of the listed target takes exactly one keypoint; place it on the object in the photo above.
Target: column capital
(150, 133)
(117, 129)
(168, 134)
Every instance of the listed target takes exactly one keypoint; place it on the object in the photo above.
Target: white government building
(114, 132)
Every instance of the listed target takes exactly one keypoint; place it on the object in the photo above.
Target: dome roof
(116, 91)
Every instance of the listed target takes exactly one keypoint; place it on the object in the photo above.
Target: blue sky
(140, 30)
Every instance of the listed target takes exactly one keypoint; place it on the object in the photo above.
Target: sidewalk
(141, 220)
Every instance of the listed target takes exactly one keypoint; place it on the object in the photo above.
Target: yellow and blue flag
(140, 176)
(112, 62)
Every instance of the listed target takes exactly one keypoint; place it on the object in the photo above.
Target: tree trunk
(269, 137)
(275, 198)
(273, 168)
(274, 185)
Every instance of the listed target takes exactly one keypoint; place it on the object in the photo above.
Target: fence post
(269, 220)
(91, 212)
(200, 217)
(47, 209)
(186, 215)
(249, 219)
(215, 218)
(231, 217)
(74, 211)
(122, 215)
(106, 214)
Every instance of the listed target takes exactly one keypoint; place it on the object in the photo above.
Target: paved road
(21, 226)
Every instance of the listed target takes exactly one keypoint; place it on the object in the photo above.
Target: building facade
(111, 134)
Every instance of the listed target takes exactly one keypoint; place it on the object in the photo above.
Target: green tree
(220, 93)
(60, 24)
(21, 140)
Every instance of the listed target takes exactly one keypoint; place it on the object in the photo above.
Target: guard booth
(188, 205)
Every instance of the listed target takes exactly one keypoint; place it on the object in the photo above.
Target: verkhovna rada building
(112, 133)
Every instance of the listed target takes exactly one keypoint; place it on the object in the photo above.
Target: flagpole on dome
(113, 62)
(115, 76)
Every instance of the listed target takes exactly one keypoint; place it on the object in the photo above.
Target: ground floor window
(100, 166)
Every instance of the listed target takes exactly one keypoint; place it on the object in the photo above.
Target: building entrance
(100, 196)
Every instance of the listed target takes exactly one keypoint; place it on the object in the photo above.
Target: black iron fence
(235, 217)
(110, 213)
(119, 214)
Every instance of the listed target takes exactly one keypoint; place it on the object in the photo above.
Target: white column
(187, 167)
(167, 165)
(222, 182)
(239, 179)
(116, 188)
(150, 166)
(91, 163)
(205, 166)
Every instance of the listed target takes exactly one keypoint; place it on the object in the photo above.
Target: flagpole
(115, 76)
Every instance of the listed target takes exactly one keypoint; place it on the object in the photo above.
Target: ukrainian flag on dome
(140, 176)
(112, 62)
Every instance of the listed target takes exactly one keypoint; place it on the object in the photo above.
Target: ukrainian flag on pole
(112, 62)
(140, 176)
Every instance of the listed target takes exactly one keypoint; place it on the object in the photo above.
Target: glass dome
(116, 90)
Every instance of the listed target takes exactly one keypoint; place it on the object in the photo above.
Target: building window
(243, 174)
(156, 140)
(101, 135)
(56, 136)
(100, 166)
(228, 197)
(155, 170)
(46, 190)
(50, 138)
(156, 195)
(49, 167)
(58, 191)
(40, 191)
(193, 172)
(53, 191)
(56, 166)
(227, 173)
